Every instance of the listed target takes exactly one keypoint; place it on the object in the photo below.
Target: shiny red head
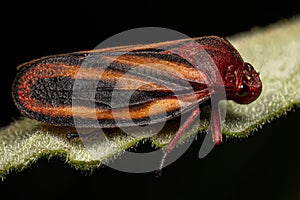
(249, 85)
(241, 81)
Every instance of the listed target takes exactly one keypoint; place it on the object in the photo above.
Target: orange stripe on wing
(155, 107)
(172, 69)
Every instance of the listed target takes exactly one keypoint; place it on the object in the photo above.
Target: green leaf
(273, 50)
(275, 53)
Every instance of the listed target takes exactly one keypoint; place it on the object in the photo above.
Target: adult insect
(43, 89)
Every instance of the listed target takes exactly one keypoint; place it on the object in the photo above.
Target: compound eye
(244, 90)
(248, 66)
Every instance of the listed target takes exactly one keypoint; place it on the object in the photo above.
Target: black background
(266, 165)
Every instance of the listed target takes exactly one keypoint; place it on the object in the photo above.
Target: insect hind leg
(178, 135)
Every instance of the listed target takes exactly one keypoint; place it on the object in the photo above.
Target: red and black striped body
(161, 79)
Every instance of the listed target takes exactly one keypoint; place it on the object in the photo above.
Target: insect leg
(178, 135)
(216, 127)
(182, 130)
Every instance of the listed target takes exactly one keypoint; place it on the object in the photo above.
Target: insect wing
(147, 80)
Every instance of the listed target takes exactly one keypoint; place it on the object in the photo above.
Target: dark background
(266, 165)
